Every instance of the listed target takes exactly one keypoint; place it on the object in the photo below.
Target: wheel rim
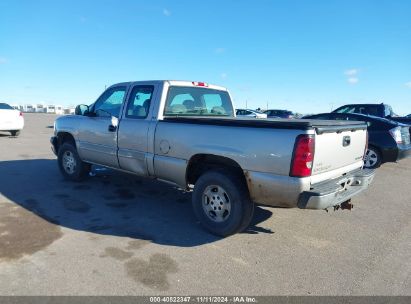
(69, 162)
(371, 158)
(216, 203)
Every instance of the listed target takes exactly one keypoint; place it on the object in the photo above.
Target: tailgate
(338, 150)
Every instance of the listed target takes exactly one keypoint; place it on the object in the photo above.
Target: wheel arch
(200, 163)
(65, 137)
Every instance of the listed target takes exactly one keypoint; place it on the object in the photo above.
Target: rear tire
(70, 164)
(15, 133)
(372, 158)
(221, 203)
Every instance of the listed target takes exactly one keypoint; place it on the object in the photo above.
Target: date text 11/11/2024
(203, 299)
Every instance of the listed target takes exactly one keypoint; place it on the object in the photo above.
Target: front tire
(372, 158)
(70, 164)
(15, 133)
(221, 203)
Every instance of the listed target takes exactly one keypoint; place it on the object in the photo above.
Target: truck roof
(183, 83)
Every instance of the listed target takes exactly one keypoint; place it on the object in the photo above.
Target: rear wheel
(70, 164)
(221, 203)
(15, 133)
(372, 158)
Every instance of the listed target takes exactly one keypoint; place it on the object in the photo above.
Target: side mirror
(82, 110)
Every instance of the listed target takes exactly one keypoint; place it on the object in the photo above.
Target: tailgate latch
(346, 141)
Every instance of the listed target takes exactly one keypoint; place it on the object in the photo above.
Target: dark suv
(388, 141)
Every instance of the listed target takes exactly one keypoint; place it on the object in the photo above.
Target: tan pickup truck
(187, 133)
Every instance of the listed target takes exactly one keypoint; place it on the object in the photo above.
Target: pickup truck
(186, 133)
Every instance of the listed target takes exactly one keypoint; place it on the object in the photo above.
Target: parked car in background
(388, 141)
(279, 114)
(11, 120)
(374, 109)
(250, 113)
(408, 116)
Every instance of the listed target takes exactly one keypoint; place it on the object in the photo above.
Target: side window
(372, 111)
(139, 102)
(388, 111)
(110, 102)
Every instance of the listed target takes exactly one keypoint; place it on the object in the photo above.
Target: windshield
(193, 101)
(5, 106)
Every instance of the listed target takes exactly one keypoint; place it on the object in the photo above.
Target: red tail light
(303, 156)
(200, 84)
(21, 114)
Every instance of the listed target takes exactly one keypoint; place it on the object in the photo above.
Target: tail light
(21, 114)
(396, 134)
(303, 156)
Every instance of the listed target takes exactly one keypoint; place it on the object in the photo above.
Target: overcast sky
(305, 56)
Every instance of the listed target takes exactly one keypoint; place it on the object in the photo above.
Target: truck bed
(321, 126)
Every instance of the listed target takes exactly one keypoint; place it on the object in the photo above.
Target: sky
(304, 56)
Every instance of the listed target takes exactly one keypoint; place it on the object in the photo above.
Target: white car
(11, 120)
(250, 113)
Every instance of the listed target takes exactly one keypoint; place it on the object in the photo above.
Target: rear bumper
(12, 125)
(54, 144)
(334, 192)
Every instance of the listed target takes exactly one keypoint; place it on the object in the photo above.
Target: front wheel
(221, 203)
(70, 164)
(372, 158)
(15, 133)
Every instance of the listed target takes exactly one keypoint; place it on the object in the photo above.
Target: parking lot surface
(117, 234)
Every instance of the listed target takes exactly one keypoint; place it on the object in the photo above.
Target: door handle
(112, 128)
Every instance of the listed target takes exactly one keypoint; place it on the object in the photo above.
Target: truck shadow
(109, 203)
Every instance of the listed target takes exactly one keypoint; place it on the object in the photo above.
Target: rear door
(133, 145)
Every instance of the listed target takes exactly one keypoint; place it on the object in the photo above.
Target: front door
(98, 130)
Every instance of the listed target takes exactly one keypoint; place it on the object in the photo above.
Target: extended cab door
(98, 131)
(133, 133)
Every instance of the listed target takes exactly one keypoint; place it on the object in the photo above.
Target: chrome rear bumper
(336, 191)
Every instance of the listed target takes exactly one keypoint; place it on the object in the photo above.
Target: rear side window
(139, 102)
(5, 106)
(368, 110)
(192, 101)
(388, 111)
